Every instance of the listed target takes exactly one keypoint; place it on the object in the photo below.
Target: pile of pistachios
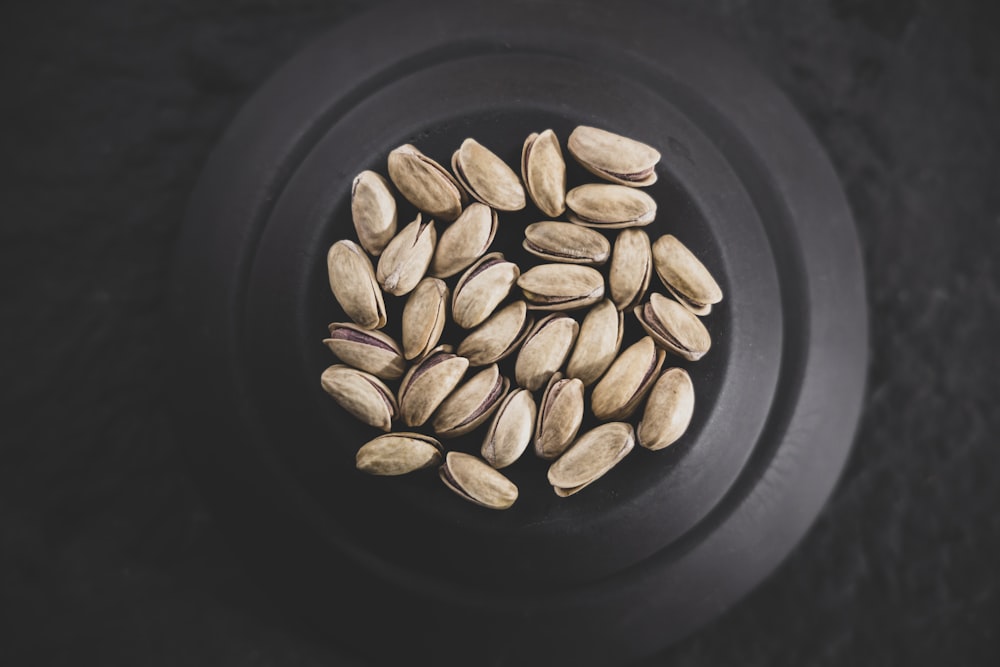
(570, 348)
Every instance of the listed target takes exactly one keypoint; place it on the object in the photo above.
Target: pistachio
(370, 351)
(685, 276)
(614, 157)
(398, 454)
(481, 289)
(609, 206)
(498, 336)
(405, 260)
(486, 177)
(352, 281)
(566, 242)
(428, 383)
(373, 209)
(668, 410)
(631, 267)
(544, 172)
(477, 482)
(545, 350)
(589, 458)
(560, 414)
(424, 317)
(510, 431)
(674, 327)
(361, 394)
(464, 241)
(598, 343)
(627, 381)
(425, 183)
(471, 404)
(561, 286)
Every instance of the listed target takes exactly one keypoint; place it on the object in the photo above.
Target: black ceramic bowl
(668, 539)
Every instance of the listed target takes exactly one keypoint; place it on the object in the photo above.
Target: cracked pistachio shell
(609, 206)
(425, 183)
(373, 209)
(464, 241)
(428, 383)
(599, 341)
(589, 458)
(566, 242)
(668, 410)
(473, 479)
(544, 350)
(405, 260)
(685, 276)
(471, 404)
(370, 351)
(631, 268)
(613, 157)
(561, 286)
(361, 394)
(481, 289)
(353, 283)
(544, 172)
(674, 327)
(511, 429)
(424, 317)
(398, 454)
(627, 381)
(486, 177)
(499, 336)
(560, 414)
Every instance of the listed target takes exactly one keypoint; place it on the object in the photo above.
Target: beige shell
(428, 383)
(425, 183)
(544, 350)
(566, 242)
(352, 281)
(685, 276)
(674, 327)
(631, 268)
(486, 177)
(668, 410)
(471, 404)
(598, 343)
(370, 351)
(424, 317)
(627, 381)
(544, 172)
(589, 458)
(560, 414)
(373, 209)
(464, 241)
(361, 394)
(405, 260)
(499, 336)
(473, 479)
(613, 157)
(481, 289)
(561, 286)
(510, 431)
(609, 206)
(398, 454)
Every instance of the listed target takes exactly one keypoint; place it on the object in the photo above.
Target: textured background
(107, 554)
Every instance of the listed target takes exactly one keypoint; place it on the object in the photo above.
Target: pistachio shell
(486, 177)
(566, 242)
(589, 458)
(598, 343)
(405, 260)
(668, 410)
(370, 351)
(545, 350)
(473, 479)
(544, 172)
(511, 429)
(627, 381)
(361, 394)
(614, 157)
(398, 454)
(471, 404)
(498, 336)
(674, 327)
(464, 241)
(481, 289)
(352, 281)
(560, 414)
(425, 183)
(428, 383)
(631, 267)
(373, 209)
(424, 317)
(685, 276)
(561, 286)
(609, 206)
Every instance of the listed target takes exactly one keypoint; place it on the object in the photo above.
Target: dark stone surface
(108, 555)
